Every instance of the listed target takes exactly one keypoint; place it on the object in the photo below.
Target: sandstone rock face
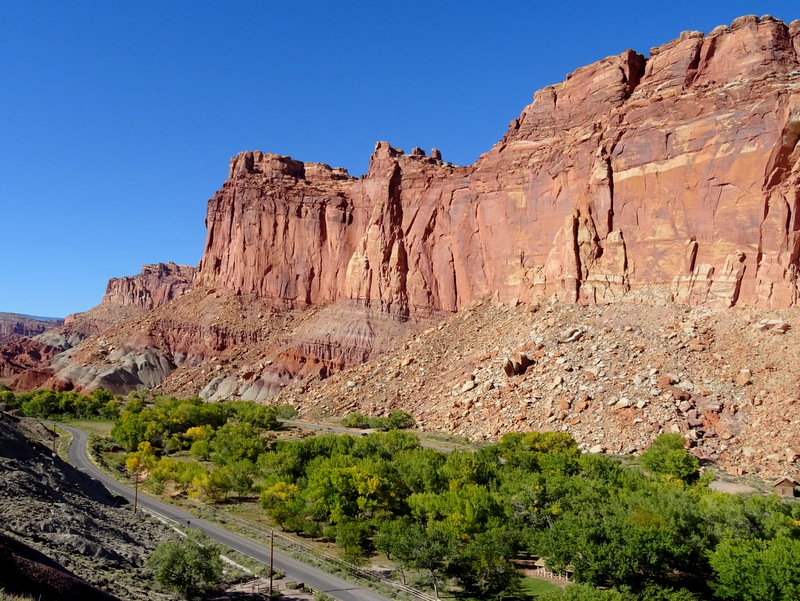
(677, 176)
(156, 285)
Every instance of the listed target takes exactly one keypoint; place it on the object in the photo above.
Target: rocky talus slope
(48, 506)
(612, 376)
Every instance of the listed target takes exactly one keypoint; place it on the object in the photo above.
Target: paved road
(296, 570)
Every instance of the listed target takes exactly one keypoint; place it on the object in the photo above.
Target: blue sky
(117, 120)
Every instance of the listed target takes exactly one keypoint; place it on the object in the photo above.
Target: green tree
(42, 404)
(392, 537)
(235, 442)
(129, 431)
(101, 396)
(242, 473)
(200, 450)
(215, 484)
(164, 470)
(9, 398)
(281, 503)
(353, 538)
(355, 420)
(429, 549)
(623, 537)
(399, 420)
(192, 566)
(667, 456)
(757, 570)
(186, 473)
(483, 567)
(260, 416)
(110, 410)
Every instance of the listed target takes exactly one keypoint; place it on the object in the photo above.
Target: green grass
(533, 587)
(64, 440)
(445, 442)
(94, 427)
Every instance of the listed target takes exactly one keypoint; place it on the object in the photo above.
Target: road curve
(296, 570)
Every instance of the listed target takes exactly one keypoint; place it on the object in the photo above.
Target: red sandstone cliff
(671, 178)
(677, 176)
(153, 287)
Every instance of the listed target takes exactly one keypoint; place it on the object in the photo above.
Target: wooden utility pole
(271, 555)
(135, 490)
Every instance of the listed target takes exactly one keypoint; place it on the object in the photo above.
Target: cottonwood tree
(191, 566)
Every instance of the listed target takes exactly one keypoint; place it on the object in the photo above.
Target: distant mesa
(14, 326)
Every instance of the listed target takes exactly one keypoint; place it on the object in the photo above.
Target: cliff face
(676, 177)
(156, 285)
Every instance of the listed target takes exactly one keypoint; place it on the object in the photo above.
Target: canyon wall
(676, 177)
(26, 359)
(153, 287)
(671, 178)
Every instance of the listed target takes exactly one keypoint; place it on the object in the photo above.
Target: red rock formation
(156, 285)
(672, 178)
(24, 353)
(126, 299)
(676, 176)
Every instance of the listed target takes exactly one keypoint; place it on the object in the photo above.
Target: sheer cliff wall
(676, 177)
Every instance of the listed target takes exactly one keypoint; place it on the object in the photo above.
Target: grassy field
(64, 440)
(91, 426)
(533, 587)
(445, 442)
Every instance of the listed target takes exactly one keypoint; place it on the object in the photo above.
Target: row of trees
(48, 404)
(173, 425)
(466, 516)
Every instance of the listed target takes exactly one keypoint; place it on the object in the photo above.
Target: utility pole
(135, 490)
(271, 555)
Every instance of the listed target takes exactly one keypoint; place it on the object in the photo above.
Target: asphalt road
(295, 570)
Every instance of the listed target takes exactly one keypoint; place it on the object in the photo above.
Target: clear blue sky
(117, 119)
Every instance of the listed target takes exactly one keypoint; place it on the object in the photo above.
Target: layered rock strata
(27, 360)
(676, 175)
(153, 287)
